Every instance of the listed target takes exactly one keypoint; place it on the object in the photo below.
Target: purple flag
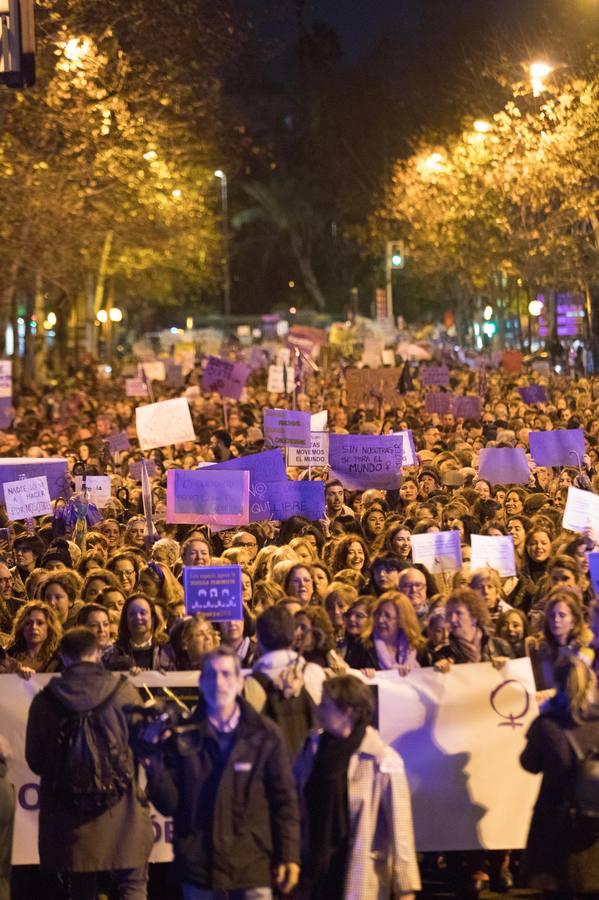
(435, 375)
(467, 408)
(504, 465)
(435, 402)
(363, 461)
(534, 393)
(225, 377)
(555, 448)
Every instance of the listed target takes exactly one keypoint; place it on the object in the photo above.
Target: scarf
(328, 813)
(404, 654)
(472, 650)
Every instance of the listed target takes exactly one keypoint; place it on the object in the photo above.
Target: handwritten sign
(564, 447)
(27, 498)
(174, 376)
(435, 375)
(287, 428)
(438, 402)
(99, 488)
(118, 441)
(207, 497)
(167, 422)
(53, 469)
(504, 465)
(136, 387)
(153, 371)
(264, 468)
(363, 461)
(317, 454)
(213, 591)
(367, 387)
(582, 511)
(290, 498)
(136, 467)
(281, 379)
(225, 377)
(439, 552)
(496, 551)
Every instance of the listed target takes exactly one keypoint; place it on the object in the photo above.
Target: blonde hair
(407, 619)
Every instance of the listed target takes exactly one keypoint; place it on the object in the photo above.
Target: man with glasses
(412, 583)
(247, 542)
(9, 605)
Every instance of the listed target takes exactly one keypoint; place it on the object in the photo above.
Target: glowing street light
(535, 308)
(102, 316)
(177, 193)
(481, 126)
(488, 313)
(116, 314)
(435, 162)
(538, 73)
(51, 318)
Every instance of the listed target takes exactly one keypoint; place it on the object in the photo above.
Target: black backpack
(583, 803)
(292, 708)
(93, 766)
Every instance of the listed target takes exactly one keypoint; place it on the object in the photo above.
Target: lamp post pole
(226, 260)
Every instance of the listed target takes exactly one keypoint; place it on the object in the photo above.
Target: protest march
(286, 616)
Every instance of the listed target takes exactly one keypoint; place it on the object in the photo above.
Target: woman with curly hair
(35, 638)
(470, 640)
(315, 638)
(126, 565)
(62, 592)
(350, 552)
(394, 640)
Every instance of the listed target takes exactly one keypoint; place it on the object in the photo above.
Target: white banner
(166, 422)
(460, 735)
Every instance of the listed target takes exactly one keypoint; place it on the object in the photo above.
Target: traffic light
(396, 257)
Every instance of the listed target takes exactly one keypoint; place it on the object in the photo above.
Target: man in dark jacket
(117, 839)
(7, 812)
(229, 787)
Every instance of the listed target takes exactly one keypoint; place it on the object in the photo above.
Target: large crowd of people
(340, 594)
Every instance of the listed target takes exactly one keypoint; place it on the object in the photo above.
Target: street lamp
(538, 72)
(226, 262)
(116, 314)
(102, 316)
(481, 126)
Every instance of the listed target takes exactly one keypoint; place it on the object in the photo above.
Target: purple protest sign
(264, 468)
(504, 465)
(135, 469)
(174, 375)
(534, 393)
(557, 448)
(467, 407)
(118, 441)
(54, 468)
(435, 375)
(438, 402)
(282, 499)
(287, 428)
(225, 377)
(362, 461)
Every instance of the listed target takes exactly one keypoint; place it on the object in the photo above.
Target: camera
(156, 725)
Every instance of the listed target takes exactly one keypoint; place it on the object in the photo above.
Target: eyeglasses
(412, 586)
(125, 573)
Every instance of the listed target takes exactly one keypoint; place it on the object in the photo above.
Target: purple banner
(504, 465)
(438, 402)
(534, 393)
(557, 448)
(467, 408)
(363, 461)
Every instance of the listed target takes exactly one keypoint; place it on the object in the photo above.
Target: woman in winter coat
(562, 853)
(357, 836)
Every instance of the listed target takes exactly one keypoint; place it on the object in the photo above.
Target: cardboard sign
(54, 469)
(153, 371)
(213, 591)
(135, 469)
(504, 465)
(167, 422)
(363, 461)
(439, 552)
(467, 407)
(118, 441)
(281, 379)
(319, 420)
(511, 362)
(99, 488)
(27, 498)
(534, 393)
(136, 387)
(557, 448)
(582, 511)
(280, 500)
(265, 467)
(496, 551)
(225, 377)
(174, 376)
(366, 387)
(317, 454)
(287, 428)
(435, 375)
(207, 497)
(438, 402)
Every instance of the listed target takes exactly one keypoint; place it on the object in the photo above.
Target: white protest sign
(388, 357)
(319, 420)
(5, 378)
(167, 422)
(136, 387)
(315, 455)
(281, 380)
(408, 450)
(27, 498)
(439, 552)
(460, 736)
(99, 488)
(496, 551)
(284, 356)
(154, 371)
(582, 510)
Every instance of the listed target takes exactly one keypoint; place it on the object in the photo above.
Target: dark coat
(7, 812)
(558, 856)
(362, 655)
(490, 647)
(232, 829)
(120, 837)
